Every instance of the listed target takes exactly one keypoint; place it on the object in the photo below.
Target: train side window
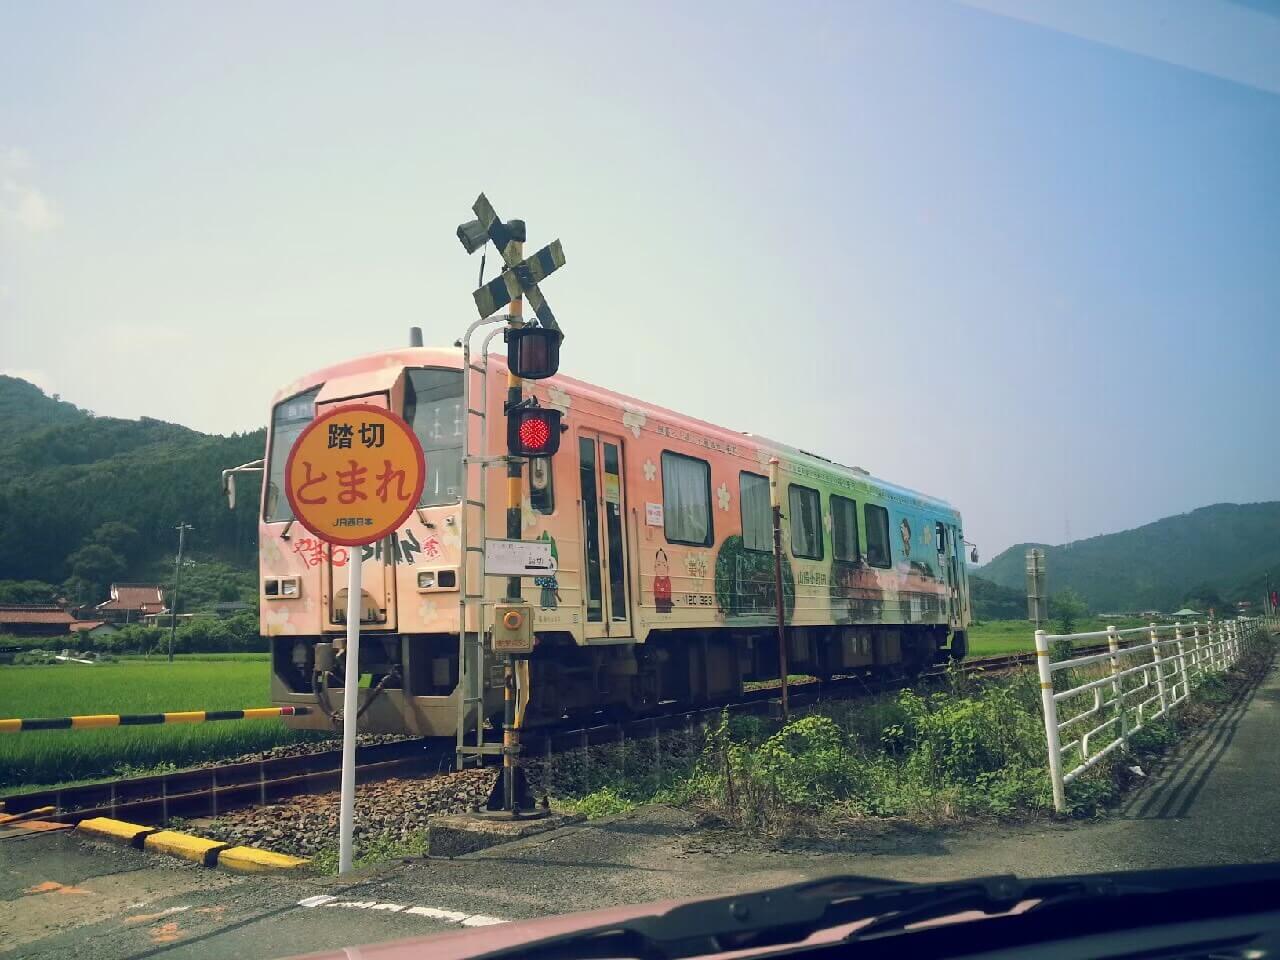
(757, 519)
(844, 529)
(877, 520)
(806, 522)
(686, 499)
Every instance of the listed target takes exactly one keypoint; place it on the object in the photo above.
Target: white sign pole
(350, 707)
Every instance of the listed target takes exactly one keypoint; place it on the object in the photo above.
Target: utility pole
(1037, 588)
(182, 529)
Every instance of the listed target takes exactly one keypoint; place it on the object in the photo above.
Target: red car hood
(478, 941)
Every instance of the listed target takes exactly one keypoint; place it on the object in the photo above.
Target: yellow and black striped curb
(210, 853)
(96, 720)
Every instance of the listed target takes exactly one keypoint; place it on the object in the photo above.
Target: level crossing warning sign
(355, 474)
(353, 477)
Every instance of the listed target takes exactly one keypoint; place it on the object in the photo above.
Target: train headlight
(438, 579)
(282, 588)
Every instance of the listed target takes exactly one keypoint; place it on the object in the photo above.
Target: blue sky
(1026, 264)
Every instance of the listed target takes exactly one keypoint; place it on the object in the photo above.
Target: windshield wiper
(992, 896)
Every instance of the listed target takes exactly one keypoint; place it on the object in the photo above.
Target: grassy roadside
(974, 748)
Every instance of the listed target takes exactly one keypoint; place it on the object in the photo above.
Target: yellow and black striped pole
(515, 530)
(99, 720)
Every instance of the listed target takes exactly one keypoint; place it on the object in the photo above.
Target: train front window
(289, 419)
(433, 407)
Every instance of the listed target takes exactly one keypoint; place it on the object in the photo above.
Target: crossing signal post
(533, 353)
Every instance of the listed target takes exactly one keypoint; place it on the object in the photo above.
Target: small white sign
(653, 514)
(518, 558)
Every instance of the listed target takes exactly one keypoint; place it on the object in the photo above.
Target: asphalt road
(61, 896)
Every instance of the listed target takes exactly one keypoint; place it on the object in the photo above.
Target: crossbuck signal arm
(521, 278)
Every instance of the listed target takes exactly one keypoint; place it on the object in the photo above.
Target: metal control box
(512, 628)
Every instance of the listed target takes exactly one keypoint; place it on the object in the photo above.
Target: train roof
(389, 360)
(813, 460)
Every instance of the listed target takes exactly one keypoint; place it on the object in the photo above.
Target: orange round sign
(355, 474)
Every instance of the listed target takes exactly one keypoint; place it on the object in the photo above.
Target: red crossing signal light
(533, 432)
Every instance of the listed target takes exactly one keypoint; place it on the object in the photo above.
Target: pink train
(660, 527)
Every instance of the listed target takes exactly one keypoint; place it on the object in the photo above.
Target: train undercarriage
(413, 681)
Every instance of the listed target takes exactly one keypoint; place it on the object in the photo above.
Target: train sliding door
(605, 586)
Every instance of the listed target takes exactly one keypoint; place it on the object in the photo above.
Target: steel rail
(207, 791)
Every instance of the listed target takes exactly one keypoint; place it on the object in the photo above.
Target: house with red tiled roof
(130, 602)
(34, 620)
(92, 628)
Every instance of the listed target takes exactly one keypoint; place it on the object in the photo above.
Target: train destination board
(355, 474)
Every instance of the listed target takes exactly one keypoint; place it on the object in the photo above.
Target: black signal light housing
(533, 353)
(533, 432)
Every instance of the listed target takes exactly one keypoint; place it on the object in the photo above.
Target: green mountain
(23, 406)
(1223, 547)
(65, 473)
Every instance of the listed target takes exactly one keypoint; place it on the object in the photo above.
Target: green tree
(94, 567)
(118, 537)
(994, 602)
(1067, 607)
(1204, 598)
(27, 591)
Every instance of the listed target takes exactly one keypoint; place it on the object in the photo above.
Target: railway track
(208, 791)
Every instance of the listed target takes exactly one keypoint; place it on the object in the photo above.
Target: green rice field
(994, 637)
(196, 682)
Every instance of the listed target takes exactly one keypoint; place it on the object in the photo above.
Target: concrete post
(1182, 661)
(1195, 652)
(1159, 668)
(1050, 709)
(1117, 685)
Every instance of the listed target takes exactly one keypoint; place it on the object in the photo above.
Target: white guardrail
(1137, 684)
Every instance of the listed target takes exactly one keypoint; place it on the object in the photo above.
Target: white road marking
(480, 920)
(315, 901)
(437, 914)
(432, 913)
